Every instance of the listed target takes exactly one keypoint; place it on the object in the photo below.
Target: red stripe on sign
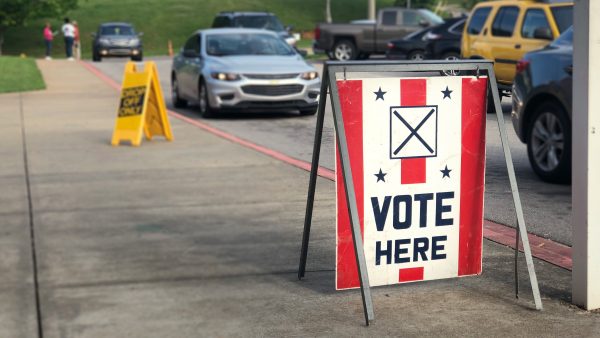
(472, 175)
(413, 92)
(410, 274)
(350, 94)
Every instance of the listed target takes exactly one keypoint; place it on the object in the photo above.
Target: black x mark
(413, 132)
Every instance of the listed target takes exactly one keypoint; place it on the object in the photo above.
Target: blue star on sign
(447, 93)
(380, 176)
(446, 172)
(379, 94)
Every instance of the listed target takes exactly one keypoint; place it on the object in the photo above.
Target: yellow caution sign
(142, 107)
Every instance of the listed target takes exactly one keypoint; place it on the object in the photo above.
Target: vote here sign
(417, 154)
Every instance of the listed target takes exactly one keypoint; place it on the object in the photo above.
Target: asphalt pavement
(547, 207)
(200, 237)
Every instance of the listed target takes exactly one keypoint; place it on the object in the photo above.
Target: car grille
(271, 76)
(272, 90)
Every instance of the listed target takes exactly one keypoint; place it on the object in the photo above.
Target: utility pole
(586, 162)
(371, 10)
(328, 11)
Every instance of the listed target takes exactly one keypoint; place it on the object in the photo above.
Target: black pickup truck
(358, 40)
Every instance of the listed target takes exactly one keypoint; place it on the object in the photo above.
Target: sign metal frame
(331, 70)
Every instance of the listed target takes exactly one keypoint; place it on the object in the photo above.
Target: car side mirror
(289, 28)
(542, 33)
(423, 23)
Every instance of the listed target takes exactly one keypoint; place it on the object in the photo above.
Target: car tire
(309, 111)
(416, 55)
(206, 110)
(549, 143)
(363, 56)
(345, 50)
(96, 57)
(490, 102)
(137, 58)
(178, 102)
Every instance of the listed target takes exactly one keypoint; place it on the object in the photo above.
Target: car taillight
(390, 45)
(522, 65)
(317, 33)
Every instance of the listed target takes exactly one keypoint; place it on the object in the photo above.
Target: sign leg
(517, 262)
(313, 174)
(522, 229)
(351, 198)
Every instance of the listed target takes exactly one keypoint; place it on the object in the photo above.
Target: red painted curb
(541, 248)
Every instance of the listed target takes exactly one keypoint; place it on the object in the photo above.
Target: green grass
(19, 75)
(175, 20)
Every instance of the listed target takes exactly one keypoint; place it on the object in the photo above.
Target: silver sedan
(242, 70)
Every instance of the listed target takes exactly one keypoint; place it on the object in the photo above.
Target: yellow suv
(503, 31)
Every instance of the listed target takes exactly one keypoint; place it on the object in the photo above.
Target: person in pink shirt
(48, 37)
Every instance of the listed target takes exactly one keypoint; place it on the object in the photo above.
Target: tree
(15, 13)
(415, 3)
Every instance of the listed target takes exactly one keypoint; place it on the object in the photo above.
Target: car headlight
(225, 76)
(310, 75)
(103, 41)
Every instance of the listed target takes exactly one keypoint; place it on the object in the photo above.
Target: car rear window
(478, 20)
(259, 21)
(221, 21)
(504, 22)
(563, 16)
(389, 18)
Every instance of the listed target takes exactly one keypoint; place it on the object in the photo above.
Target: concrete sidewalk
(200, 237)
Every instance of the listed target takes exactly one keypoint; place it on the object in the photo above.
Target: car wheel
(416, 55)
(310, 111)
(344, 50)
(451, 56)
(549, 143)
(205, 110)
(178, 102)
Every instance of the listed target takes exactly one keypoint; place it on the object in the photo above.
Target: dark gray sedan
(117, 39)
(244, 70)
(541, 108)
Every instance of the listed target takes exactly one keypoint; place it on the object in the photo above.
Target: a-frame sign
(142, 109)
(410, 171)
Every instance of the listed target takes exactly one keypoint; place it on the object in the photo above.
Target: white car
(229, 69)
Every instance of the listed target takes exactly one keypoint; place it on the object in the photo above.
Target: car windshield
(563, 16)
(246, 44)
(259, 21)
(565, 39)
(117, 30)
(432, 17)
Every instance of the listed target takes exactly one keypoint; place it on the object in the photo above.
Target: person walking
(77, 42)
(48, 37)
(69, 33)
